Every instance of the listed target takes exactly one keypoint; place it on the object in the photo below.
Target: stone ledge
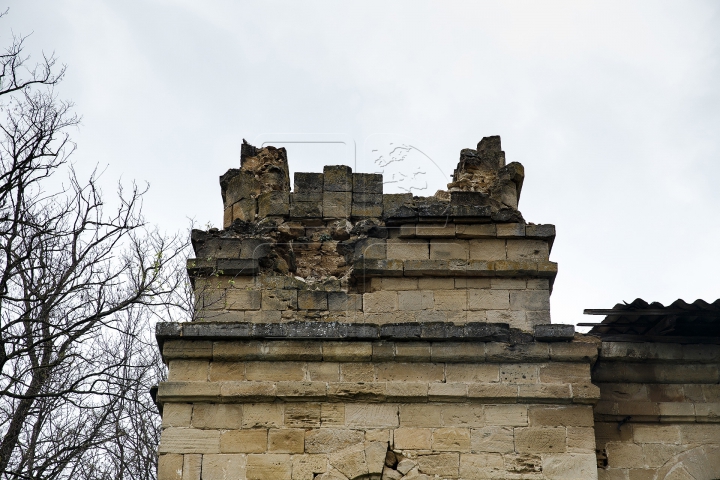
(378, 351)
(642, 352)
(259, 391)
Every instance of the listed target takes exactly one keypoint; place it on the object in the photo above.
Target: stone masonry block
(540, 439)
(337, 204)
(312, 300)
(421, 415)
(371, 415)
(328, 440)
(448, 249)
(476, 231)
(308, 182)
(415, 300)
(277, 299)
(492, 439)
(176, 414)
(481, 465)
(510, 230)
(170, 467)
(435, 230)
(269, 467)
(286, 440)
(488, 299)
(445, 464)
(237, 299)
(217, 467)
(526, 249)
(189, 440)
(306, 209)
(366, 210)
(188, 370)
(208, 415)
(412, 438)
(450, 299)
(410, 372)
(274, 371)
(379, 302)
(408, 249)
(507, 415)
(464, 415)
(560, 416)
(368, 183)
(489, 249)
(243, 185)
(569, 466)
(451, 439)
(347, 351)
(274, 203)
(262, 415)
(341, 301)
(472, 373)
(530, 300)
(244, 441)
(337, 178)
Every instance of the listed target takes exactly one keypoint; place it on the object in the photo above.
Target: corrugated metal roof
(654, 320)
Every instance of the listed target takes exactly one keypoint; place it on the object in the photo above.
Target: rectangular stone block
(274, 371)
(269, 466)
(312, 300)
(555, 416)
(286, 440)
(188, 370)
(237, 299)
(337, 178)
(435, 230)
(421, 415)
(493, 392)
(244, 441)
(447, 392)
(580, 439)
(415, 300)
(510, 230)
(170, 467)
(217, 467)
(300, 209)
(451, 439)
(445, 464)
(408, 249)
(409, 372)
(276, 299)
(476, 230)
(337, 204)
(328, 440)
(449, 249)
(526, 249)
(306, 466)
(206, 415)
(412, 439)
(488, 299)
(412, 352)
(458, 352)
(189, 440)
(530, 300)
(464, 415)
(471, 373)
(368, 183)
(257, 415)
(347, 351)
(492, 439)
(540, 440)
(379, 302)
(187, 349)
(366, 210)
(371, 415)
(506, 415)
(490, 249)
(308, 182)
(176, 414)
(450, 299)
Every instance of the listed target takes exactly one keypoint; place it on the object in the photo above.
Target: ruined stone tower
(342, 333)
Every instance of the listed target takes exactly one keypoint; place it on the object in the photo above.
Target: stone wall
(659, 413)
(341, 333)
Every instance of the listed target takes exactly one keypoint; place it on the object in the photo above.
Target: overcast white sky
(612, 107)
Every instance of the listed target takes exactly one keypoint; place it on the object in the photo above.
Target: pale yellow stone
(410, 372)
(176, 414)
(192, 466)
(262, 415)
(510, 415)
(450, 299)
(286, 440)
(451, 439)
(188, 370)
(492, 439)
(211, 415)
(269, 467)
(421, 415)
(347, 351)
(357, 372)
(489, 249)
(323, 371)
(450, 249)
(408, 249)
(415, 300)
(540, 440)
(189, 440)
(304, 467)
(244, 441)
(445, 464)
(412, 438)
(488, 299)
(371, 415)
(170, 467)
(380, 302)
(463, 415)
(227, 371)
(394, 283)
(472, 373)
(435, 283)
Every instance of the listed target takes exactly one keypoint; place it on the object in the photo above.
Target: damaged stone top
(483, 190)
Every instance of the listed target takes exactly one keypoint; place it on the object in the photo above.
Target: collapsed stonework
(343, 333)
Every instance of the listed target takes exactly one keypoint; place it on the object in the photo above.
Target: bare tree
(80, 284)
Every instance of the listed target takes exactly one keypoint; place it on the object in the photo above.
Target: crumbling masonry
(342, 333)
